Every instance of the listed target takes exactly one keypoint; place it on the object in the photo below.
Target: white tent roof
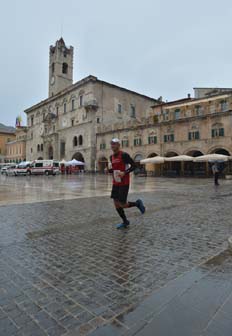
(179, 158)
(155, 159)
(75, 162)
(212, 158)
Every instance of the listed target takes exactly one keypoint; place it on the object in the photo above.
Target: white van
(44, 167)
(23, 168)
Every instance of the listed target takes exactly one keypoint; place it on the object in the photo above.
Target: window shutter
(221, 131)
(155, 139)
(189, 136)
(213, 133)
(197, 135)
(165, 138)
(172, 137)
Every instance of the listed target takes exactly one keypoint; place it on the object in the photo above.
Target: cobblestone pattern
(65, 270)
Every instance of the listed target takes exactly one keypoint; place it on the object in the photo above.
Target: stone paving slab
(65, 270)
(201, 309)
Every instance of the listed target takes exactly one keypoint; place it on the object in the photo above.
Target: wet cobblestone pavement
(66, 270)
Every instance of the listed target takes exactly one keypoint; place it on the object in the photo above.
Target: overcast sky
(156, 47)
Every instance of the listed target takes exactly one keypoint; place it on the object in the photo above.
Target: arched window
(65, 68)
(53, 67)
(75, 141)
(38, 148)
(80, 140)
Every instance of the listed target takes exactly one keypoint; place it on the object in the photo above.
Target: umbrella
(75, 162)
(212, 158)
(179, 158)
(155, 159)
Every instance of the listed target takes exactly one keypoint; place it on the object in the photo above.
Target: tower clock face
(52, 80)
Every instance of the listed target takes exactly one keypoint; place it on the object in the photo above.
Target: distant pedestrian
(121, 167)
(215, 170)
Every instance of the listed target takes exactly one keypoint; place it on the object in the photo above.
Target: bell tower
(60, 67)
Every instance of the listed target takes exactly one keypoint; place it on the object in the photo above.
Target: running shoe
(123, 225)
(140, 206)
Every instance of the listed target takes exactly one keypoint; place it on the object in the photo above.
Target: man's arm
(128, 160)
(110, 170)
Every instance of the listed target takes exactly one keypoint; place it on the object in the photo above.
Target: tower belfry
(60, 67)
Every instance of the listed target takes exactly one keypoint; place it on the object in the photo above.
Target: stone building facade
(7, 134)
(16, 149)
(191, 126)
(64, 125)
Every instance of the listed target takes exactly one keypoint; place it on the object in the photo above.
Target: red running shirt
(119, 165)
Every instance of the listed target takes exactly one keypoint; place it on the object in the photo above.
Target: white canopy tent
(74, 162)
(212, 158)
(154, 160)
(179, 158)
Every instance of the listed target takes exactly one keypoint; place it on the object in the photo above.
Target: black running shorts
(120, 193)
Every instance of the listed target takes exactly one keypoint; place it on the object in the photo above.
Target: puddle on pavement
(218, 259)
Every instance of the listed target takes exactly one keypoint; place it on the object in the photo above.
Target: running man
(121, 167)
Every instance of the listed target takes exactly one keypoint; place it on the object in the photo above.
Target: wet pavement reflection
(66, 270)
(29, 189)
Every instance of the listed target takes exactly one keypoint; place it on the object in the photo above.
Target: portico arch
(224, 151)
(195, 168)
(78, 156)
(193, 152)
(172, 169)
(219, 150)
(137, 158)
(151, 168)
(152, 155)
(171, 154)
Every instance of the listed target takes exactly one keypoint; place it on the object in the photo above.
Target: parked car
(7, 170)
(44, 167)
(4, 169)
(23, 169)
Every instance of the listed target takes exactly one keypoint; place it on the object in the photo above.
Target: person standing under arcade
(121, 167)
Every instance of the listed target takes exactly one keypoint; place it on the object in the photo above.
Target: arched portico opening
(152, 155)
(171, 154)
(139, 168)
(226, 167)
(171, 169)
(151, 168)
(222, 151)
(195, 168)
(78, 156)
(40, 158)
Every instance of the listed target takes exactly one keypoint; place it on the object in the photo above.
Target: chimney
(189, 95)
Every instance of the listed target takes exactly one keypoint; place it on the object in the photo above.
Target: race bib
(117, 178)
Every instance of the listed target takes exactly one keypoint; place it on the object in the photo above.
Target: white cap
(115, 140)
